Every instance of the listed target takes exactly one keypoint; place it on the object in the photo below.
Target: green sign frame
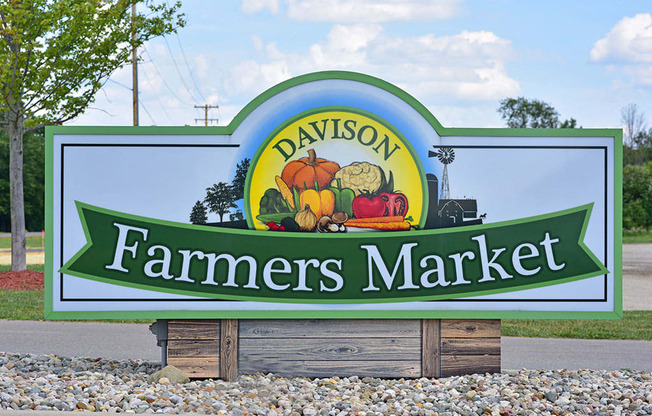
(616, 266)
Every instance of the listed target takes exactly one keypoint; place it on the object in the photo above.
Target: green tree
(55, 56)
(637, 142)
(638, 151)
(240, 178)
(198, 214)
(34, 177)
(219, 198)
(637, 197)
(634, 122)
(524, 113)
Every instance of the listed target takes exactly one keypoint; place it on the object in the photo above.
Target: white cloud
(250, 75)
(202, 65)
(371, 11)
(253, 6)
(465, 66)
(467, 69)
(627, 48)
(259, 45)
(630, 41)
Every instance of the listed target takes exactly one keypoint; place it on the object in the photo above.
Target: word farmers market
(409, 266)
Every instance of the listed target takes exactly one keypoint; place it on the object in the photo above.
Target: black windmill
(446, 155)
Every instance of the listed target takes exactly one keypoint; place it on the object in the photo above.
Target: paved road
(123, 341)
(637, 277)
(27, 234)
(28, 250)
(574, 354)
(78, 339)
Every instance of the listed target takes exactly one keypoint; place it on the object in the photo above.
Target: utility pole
(207, 107)
(134, 58)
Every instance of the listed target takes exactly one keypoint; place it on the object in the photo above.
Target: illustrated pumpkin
(304, 172)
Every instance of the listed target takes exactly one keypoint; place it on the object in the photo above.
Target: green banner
(266, 266)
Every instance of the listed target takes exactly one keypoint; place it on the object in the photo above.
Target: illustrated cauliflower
(361, 177)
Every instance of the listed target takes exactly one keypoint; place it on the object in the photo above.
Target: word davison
(336, 129)
(282, 274)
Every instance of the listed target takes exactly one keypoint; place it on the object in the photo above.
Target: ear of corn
(285, 191)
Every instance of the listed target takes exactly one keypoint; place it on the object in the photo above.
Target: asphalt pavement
(637, 277)
(79, 339)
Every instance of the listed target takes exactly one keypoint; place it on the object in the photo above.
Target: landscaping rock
(50, 382)
(169, 374)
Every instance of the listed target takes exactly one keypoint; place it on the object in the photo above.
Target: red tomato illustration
(395, 204)
(368, 207)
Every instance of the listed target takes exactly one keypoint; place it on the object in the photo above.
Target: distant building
(455, 212)
(446, 213)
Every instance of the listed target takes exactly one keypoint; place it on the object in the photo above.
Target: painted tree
(240, 178)
(55, 56)
(198, 214)
(219, 198)
(525, 113)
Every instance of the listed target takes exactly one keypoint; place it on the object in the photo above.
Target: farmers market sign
(336, 195)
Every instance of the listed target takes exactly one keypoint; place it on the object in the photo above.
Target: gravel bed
(50, 382)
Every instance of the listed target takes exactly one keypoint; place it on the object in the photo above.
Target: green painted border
(49, 221)
(379, 120)
(442, 131)
(304, 314)
(618, 225)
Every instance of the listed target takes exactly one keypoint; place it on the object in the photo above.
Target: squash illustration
(304, 172)
(321, 203)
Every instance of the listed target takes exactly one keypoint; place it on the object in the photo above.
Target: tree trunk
(18, 252)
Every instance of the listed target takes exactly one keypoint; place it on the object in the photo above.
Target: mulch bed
(24, 280)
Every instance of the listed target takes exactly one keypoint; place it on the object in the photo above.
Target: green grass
(27, 305)
(637, 237)
(634, 325)
(21, 304)
(35, 267)
(32, 242)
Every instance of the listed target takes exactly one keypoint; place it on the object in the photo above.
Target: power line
(183, 53)
(174, 61)
(157, 96)
(192, 77)
(150, 116)
(121, 84)
(163, 79)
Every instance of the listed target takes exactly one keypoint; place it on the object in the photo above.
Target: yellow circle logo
(335, 170)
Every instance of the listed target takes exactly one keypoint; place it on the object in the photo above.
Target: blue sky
(459, 58)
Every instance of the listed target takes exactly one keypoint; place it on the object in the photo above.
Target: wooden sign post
(334, 227)
(324, 348)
